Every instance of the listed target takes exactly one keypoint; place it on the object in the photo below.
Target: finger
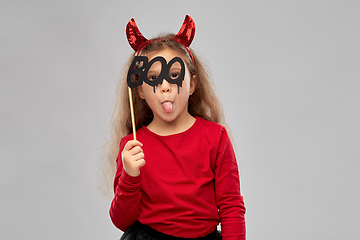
(131, 144)
(135, 150)
(140, 163)
(138, 156)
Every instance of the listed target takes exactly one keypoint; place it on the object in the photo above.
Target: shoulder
(129, 137)
(125, 139)
(210, 126)
(211, 129)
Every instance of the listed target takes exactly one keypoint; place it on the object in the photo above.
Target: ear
(193, 82)
(140, 92)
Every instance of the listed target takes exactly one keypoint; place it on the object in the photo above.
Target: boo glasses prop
(154, 72)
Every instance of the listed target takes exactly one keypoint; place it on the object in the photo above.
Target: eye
(152, 77)
(174, 75)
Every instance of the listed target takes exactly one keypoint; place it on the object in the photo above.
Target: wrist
(129, 178)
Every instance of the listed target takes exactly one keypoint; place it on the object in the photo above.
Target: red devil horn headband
(185, 36)
(187, 32)
(136, 40)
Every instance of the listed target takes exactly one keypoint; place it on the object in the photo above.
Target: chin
(169, 117)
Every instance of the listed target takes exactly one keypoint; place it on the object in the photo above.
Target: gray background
(287, 73)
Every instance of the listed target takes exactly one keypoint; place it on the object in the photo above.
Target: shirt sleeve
(125, 206)
(227, 190)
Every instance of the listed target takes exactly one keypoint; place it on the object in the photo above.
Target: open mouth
(167, 106)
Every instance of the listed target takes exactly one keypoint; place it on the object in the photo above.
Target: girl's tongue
(167, 106)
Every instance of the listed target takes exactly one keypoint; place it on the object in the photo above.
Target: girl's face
(166, 103)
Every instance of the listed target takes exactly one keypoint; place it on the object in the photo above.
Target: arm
(125, 206)
(227, 188)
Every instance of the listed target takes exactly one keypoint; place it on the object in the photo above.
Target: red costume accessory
(184, 37)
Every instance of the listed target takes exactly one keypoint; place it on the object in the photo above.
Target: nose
(165, 86)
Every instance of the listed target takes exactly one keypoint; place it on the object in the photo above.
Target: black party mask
(141, 70)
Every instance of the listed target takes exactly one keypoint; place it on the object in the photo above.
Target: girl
(180, 178)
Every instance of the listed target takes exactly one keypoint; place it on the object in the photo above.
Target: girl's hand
(133, 158)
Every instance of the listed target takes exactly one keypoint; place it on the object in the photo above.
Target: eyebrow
(153, 71)
(175, 68)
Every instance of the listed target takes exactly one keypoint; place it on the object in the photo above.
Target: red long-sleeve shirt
(189, 184)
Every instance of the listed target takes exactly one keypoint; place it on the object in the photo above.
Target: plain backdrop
(287, 73)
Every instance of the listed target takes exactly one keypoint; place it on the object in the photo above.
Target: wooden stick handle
(132, 113)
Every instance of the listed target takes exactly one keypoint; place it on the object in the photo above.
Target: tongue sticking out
(167, 106)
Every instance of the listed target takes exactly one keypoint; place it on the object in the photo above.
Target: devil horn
(187, 32)
(136, 40)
